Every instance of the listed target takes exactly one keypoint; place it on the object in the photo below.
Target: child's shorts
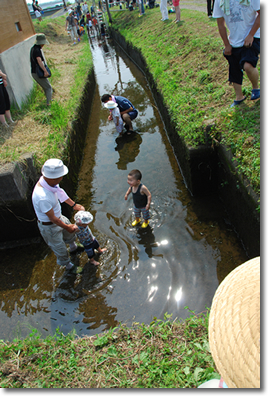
(90, 248)
(138, 211)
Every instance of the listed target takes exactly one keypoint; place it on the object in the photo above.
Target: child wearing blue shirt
(85, 236)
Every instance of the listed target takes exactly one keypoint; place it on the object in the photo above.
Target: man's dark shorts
(239, 56)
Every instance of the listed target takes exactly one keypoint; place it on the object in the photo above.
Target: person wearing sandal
(242, 46)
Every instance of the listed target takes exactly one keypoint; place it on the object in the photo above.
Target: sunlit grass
(164, 354)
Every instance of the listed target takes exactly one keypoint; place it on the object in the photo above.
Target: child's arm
(149, 196)
(110, 117)
(128, 192)
(117, 121)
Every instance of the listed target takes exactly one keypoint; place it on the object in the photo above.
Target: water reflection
(177, 261)
(128, 147)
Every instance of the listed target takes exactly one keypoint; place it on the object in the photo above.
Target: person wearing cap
(71, 26)
(127, 110)
(85, 236)
(37, 57)
(55, 228)
(116, 116)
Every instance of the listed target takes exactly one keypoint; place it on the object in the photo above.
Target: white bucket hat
(83, 217)
(110, 105)
(234, 326)
(54, 168)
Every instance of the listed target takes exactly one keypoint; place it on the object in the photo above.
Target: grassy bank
(43, 130)
(190, 71)
(164, 354)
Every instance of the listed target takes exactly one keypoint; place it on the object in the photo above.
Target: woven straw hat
(234, 326)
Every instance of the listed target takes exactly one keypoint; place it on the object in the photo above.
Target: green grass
(58, 117)
(164, 354)
(190, 71)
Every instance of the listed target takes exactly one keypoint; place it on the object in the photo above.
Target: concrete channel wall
(17, 180)
(207, 169)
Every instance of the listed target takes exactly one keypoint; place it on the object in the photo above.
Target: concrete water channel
(176, 262)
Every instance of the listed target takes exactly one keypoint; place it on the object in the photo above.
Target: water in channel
(176, 262)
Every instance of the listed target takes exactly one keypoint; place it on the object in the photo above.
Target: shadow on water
(177, 261)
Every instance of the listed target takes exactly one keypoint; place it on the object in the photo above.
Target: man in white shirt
(54, 227)
(242, 46)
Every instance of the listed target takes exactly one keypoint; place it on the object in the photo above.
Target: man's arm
(40, 63)
(76, 207)
(253, 30)
(57, 221)
(223, 34)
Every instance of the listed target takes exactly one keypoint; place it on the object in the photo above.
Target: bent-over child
(115, 113)
(85, 236)
(141, 197)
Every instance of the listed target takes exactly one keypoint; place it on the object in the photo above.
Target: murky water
(177, 261)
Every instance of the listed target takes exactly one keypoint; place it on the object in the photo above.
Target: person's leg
(53, 237)
(177, 14)
(127, 120)
(68, 238)
(146, 217)
(238, 92)
(72, 34)
(253, 75)
(3, 120)
(164, 10)
(235, 73)
(46, 86)
(137, 213)
(9, 117)
(90, 252)
(96, 246)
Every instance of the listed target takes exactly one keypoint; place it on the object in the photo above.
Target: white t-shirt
(43, 201)
(240, 20)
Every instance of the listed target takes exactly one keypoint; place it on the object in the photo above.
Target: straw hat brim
(234, 326)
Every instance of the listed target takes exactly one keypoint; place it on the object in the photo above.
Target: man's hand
(248, 41)
(78, 207)
(228, 50)
(72, 228)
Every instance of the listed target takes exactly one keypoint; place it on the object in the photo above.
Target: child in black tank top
(141, 197)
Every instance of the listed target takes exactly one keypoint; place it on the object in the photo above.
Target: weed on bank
(164, 354)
